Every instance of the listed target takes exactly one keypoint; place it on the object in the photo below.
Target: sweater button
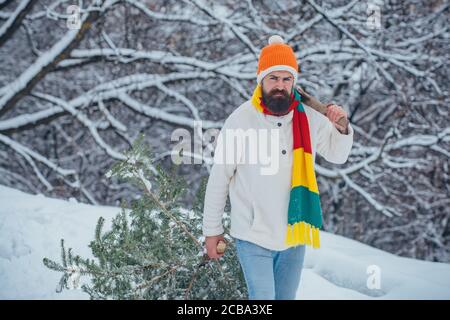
(283, 152)
(279, 124)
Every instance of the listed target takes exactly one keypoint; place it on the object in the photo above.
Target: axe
(318, 106)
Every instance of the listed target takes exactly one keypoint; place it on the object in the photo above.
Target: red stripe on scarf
(301, 136)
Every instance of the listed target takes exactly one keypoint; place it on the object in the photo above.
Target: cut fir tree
(154, 249)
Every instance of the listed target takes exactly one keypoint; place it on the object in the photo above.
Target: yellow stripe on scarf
(303, 170)
(256, 98)
(302, 233)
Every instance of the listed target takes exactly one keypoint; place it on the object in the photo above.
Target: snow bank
(31, 227)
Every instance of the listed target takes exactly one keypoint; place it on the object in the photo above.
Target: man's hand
(334, 113)
(211, 246)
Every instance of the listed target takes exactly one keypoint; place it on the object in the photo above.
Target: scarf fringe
(302, 233)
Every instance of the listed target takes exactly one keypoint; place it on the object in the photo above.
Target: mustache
(276, 91)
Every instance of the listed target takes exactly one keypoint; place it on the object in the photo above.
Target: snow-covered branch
(370, 57)
(236, 30)
(389, 212)
(31, 156)
(28, 79)
(91, 126)
(169, 17)
(9, 26)
(162, 115)
(227, 68)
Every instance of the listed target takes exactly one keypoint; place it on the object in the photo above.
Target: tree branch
(10, 26)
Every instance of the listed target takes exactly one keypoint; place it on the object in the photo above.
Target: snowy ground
(31, 227)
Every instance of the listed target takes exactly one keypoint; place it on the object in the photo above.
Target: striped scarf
(304, 213)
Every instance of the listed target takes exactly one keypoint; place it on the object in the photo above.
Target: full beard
(277, 101)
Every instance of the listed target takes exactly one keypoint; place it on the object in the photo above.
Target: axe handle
(318, 106)
(221, 246)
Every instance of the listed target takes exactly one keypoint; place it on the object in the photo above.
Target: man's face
(276, 91)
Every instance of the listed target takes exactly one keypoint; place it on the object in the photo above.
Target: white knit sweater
(259, 192)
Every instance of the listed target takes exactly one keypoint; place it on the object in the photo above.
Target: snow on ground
(344, 269)
(31, 227)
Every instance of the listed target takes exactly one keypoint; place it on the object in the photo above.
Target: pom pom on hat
(275, 39)
(276, 56)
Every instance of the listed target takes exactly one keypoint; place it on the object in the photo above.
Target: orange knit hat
(276, 56)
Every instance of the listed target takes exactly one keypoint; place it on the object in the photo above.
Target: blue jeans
(270, 274)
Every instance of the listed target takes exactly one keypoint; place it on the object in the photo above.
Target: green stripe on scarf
(304, 205)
